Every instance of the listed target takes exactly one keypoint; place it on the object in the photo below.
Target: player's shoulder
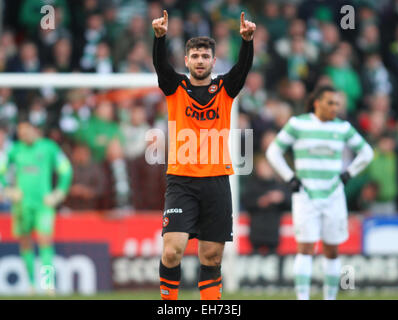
(299, 119)
(303, 117)
(342, 123)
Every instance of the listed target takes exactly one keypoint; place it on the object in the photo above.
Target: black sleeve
(235, 79)
(168, 79)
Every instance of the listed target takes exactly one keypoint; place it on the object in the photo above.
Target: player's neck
(322, 119)
(200, 82)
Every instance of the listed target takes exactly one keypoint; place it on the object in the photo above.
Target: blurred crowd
(298, 45)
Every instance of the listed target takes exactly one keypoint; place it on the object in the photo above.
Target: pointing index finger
(242, 18)
(165, 15)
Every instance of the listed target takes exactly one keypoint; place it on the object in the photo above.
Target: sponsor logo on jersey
(213, 88)
(202, 115)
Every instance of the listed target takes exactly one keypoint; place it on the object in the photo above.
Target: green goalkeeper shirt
(34, 167)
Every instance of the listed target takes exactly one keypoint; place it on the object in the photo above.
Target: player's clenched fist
(247, 28)
(160, 25)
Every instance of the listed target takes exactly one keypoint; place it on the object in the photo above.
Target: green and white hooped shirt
(318, 152)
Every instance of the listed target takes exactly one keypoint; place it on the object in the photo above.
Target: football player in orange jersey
(198, 196)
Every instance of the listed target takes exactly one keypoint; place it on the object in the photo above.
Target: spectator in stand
(272, 20)
(5, 144)
(382, 171)
(253, 94)
(295, 93)
(345, 79)
(223, 63)
(103, 61)
(118, 193)
(112, 25)
(374, 124)
(139, 59)
(297, 29)
(392, 53)
(369, 40)
(62, 56)
(176, 43)
(8, 111)
(75, 112)
(7, 42)
(88, 182)
(367, 14)
(266, 198)
(135, 131)
(266, 61)
(27, 61)
(330, 38)
(136, 31)
(100, 131)
(298, 66)
(221, 32)
(195, 24)
(37, 114)
(3, 60)
(229, 12)
(93, 35)
(289, 12)
(375, 77)
(351, 56)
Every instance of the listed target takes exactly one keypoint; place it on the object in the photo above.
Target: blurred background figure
(88, 182)
(382, 173)
(100, 130)
(134, 132)
(266, 198)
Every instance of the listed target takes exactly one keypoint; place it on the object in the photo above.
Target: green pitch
(194, 295)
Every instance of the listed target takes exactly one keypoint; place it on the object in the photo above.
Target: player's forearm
(159, 55)
(236, 77)
(275, 157)
(361, 161)
(167, 77)
(65, 174)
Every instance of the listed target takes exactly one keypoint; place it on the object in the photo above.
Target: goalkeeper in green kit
(33, 197)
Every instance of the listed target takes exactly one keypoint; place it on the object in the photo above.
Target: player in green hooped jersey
(33, 196)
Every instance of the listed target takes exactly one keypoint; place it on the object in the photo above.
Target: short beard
(198, 77)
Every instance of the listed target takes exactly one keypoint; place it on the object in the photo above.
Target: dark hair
(317, 94)
(201, 42)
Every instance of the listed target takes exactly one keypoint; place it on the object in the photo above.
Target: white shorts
(320, 219)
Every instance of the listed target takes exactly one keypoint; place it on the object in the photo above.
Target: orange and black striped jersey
(199, 116)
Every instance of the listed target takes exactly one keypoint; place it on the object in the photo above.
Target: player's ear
(316, 104)
(186, 61)
(214, 62)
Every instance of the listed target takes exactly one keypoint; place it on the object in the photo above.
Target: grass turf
(194, 295)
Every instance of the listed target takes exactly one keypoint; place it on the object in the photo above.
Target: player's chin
(200, 75)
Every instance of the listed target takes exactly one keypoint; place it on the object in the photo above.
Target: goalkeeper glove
(12, 194)
(294, 184)
(345, 176)
(54, 198)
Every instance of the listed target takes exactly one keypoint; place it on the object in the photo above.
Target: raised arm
(235, 79)
(168, 79)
